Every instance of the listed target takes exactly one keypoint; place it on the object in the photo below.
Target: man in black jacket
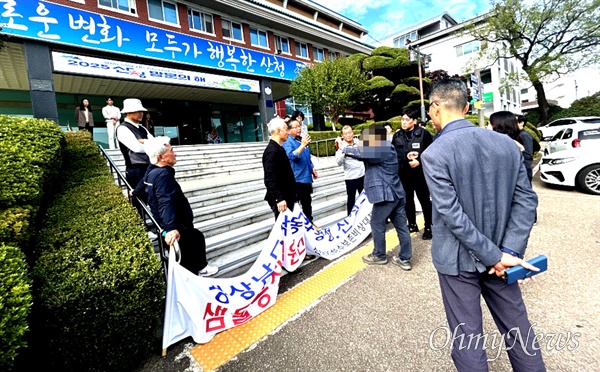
(410, 142)
(171, 208)
(279, 176)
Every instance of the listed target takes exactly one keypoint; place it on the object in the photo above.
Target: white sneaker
(152, 236)
(208, 271)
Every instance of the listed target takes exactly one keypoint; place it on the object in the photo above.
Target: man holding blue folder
(483, 213)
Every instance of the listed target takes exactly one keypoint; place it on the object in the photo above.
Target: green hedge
(100, 284)
(15, 303)
(325, 148)
(30, 161)
(30, 153)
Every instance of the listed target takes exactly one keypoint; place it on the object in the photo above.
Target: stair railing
(148, 220)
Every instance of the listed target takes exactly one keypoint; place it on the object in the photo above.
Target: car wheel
(589, 179)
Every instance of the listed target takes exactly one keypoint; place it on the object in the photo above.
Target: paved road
(383, 319)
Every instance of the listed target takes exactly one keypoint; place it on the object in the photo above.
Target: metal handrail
(316, 143)
(123, 184)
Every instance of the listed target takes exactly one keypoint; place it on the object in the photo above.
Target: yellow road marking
(228, 344)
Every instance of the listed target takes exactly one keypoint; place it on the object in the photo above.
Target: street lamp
(412, 49)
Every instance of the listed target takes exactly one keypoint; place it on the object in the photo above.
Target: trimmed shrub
(14, 226)
(379, 82)
(474, 119)
(405, 92)
(374, 63)
(100, 284)
(390, 52)
(324, 148)
(15, 303)
(30, 152)
(30, 160)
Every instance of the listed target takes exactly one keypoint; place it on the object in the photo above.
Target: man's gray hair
(275, 123)
(450, 93)
(156, 146)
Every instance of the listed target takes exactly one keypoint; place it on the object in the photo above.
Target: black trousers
(415, 182)
(303, 192)
(462, 295)
(88, 128)
(352, 186)
(134, 175)
(193, 249)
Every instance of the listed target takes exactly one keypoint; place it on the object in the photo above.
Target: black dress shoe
(427, 234)
(412, 227)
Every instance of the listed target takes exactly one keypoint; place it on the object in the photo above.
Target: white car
(578, 136)
(549, 130)
(573, 167)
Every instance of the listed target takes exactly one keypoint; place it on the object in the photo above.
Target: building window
(467, 48)
(301, 50)
(524, 91)
(258, 38)
(200, 21)
(161, 10)
(400, 42)
(123, 5)
(282, 44)
(318, 54)
(334, 55)
(232, 30)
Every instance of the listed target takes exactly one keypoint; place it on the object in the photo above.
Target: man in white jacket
(354, 170)
(111, 115)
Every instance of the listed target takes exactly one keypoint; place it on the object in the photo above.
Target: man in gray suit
(483, 212)
(385, 192)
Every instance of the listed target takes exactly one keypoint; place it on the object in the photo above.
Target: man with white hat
(131, 136)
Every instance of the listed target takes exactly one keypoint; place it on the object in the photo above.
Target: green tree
(330, 87)
(393, 84)
(549, 37)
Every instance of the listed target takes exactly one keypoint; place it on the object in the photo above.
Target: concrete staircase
(224, 185)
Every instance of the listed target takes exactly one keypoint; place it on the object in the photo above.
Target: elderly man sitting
(171, 208)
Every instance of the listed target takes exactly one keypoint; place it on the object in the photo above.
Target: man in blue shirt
(298, 152)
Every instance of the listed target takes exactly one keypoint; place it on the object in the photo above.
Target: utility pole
(421, 86)
(418, 51)
(480, 109)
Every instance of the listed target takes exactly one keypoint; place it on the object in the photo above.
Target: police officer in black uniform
(410, 142)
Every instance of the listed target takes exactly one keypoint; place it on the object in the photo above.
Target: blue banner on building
(60, 24)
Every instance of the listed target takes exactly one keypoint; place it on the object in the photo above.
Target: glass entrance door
(234, 127)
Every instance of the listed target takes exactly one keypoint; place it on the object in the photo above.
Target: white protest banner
(202, 307)
(343, 236)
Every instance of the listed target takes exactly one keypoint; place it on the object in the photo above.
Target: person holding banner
(385, 192)
(171, 208)
(279, 176)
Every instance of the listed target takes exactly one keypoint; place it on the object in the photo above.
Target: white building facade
(453, 50)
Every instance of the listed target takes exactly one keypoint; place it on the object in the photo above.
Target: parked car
(578, 136)
(579, 167)
(549, 130)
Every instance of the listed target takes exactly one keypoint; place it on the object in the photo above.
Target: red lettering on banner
(261, 297)
(241, 316)
(217, 320)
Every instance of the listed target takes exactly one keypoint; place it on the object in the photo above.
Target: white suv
(549, 130)
(578, 166)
